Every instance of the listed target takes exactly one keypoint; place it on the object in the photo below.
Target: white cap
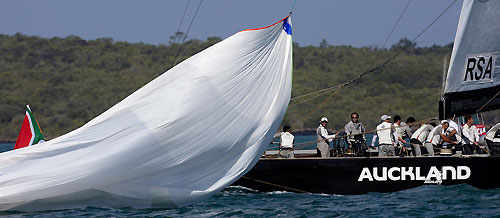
(385, 117)
(323, 119)
(444, 121)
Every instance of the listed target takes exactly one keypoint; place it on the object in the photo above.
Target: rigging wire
(324, 101)
(401, 50)
(293, 6)
(179, 27)
(186, 49)
(396, 24)
(182, 19)
(185, 35)
(317, 95)
(312, 93)
(405, 48)
(341, 85)
(440, 27)
(488, 102)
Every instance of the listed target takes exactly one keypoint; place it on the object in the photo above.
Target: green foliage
(408, 86)
(68, 81)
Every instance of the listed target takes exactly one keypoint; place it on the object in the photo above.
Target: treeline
(68, 81)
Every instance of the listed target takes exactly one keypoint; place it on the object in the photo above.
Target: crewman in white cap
(385, 135)
(323, 147)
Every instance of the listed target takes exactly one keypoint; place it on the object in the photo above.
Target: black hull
(342, 175)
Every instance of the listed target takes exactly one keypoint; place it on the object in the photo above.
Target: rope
(406, 47)
(311, 93)
(393, 57)
(303, 144)
(324, 101)
(308, 99)
(488, 102)
(185, 35)
(397, 22)
(483, 149)
(276, 185)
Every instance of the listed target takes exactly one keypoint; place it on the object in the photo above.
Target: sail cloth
(179, 139)
(30, 133)
(474, 74)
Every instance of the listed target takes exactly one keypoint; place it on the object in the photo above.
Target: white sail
(474, 71)
(179, 139)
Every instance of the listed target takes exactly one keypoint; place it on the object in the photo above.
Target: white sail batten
(475, 64)
(179, 139)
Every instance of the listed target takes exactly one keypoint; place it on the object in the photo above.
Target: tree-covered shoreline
(68, 81)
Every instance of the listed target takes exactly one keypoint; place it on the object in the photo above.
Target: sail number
(479, 68)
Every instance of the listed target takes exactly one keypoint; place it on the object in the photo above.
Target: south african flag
(30, 131)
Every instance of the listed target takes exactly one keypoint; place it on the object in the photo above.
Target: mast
(443, 84)
(443, 79)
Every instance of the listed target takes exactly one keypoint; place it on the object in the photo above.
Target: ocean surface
(424, 201)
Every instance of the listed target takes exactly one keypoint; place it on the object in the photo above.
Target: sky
(340, 22)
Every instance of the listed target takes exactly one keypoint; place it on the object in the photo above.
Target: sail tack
(474, 75)
(179, 139)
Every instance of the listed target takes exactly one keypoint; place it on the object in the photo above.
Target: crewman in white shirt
(385, 135)
(455, 126)
(323, 146)
(286, 143)
(470, 135)
(434, 138)
(418, 139)
(449, 135)
(400, 131)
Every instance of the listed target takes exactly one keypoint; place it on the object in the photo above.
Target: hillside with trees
(68, 81)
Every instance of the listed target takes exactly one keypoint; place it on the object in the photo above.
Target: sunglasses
(354, 117)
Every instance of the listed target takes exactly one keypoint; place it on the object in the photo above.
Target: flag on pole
(30, 131)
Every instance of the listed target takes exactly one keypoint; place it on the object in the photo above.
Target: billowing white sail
(474, 74)
(179, 139)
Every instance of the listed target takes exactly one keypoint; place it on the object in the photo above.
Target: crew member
(323, 146)
(400, 131)
(434, 138)
(355, 131)
(286, 143)
(418, 139)
(385, 135)
(412, 127)
(470, 135)
(449, 136)
(455, 126)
